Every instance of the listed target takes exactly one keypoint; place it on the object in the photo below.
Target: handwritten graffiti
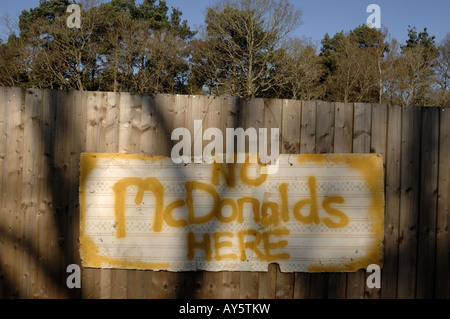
(317, 213)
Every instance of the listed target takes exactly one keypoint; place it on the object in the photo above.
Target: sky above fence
(319, 16)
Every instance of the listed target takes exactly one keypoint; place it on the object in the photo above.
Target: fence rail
(43, 133)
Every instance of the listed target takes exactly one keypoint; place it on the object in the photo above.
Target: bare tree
(302, 71)
(247, 34)
(443, 72)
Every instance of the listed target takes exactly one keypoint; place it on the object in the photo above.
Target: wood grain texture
(43, 133)
(443, 215)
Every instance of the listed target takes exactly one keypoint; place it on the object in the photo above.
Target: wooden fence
(43, 133)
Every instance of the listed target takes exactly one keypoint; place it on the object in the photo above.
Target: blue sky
(322, 16)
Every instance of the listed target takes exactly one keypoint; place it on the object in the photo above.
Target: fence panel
(43, 133)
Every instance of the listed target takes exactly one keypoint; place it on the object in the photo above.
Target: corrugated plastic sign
(315, 213)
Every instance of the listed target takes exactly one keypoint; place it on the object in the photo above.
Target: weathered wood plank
(343, 128)
(362, 127)
(290, 144)
(324, 144)
(231, 106)
(303, 281)
(409, 203)
(253, 116)
(43, 210)
(77, 116)
(443, 216)
(379, 144)
(269, 280)
(95, 129)
(30, 188)
(428, 203)
(308, 128)
(343, 143)
(230, 285)
(13, 243)
(393, 166)
(291, 123)
(325, 127)
(5, 100)
(267, 288)
(49, 232)
(164, 118)
(111, 128)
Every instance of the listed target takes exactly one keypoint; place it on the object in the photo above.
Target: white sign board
(315, 213)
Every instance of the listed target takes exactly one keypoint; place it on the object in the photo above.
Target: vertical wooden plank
(165, 116)
(148, 144)
(60, 186)
(428, 203)
(343, 128)
(273, 119)
(5, 100)
(267, 288)
(393, 161)
(343, 143)
(291, 123)
(12, 245)
(253, 116)
(77, 141)
(134, 130)
(230, 284)
(324, 144)
(308, 128)
(271, 282)
(149, 125)
(443, 216)
(379, 142)
(32, 145)
(111, 128)
(362, 127)
(380, 128)
(409, 203)
(119, 278)
(64, 183)
(302, 285)
(49, 237)
(230, 280)
(215, 114)
(325, 127)
(95, 132)
(40, 290)
(249, 285)
(290, 144)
